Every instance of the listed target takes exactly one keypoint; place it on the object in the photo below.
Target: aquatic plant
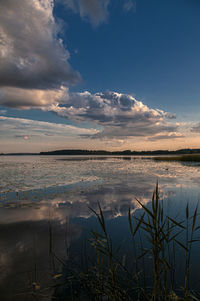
(147, 273)
(184, 158)
(157, 238)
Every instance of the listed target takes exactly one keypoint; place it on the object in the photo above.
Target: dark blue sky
(152, 52)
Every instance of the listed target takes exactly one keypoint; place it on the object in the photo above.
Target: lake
(47, 205)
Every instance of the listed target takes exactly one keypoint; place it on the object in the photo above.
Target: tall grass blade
(194, 218)
(179, 224)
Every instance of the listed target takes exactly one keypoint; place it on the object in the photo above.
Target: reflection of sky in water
(34, 172)
(51, 188)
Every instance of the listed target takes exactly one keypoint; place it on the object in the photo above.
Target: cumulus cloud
(108, 108)
(94, 10)
(27, 98)
(35, 72)
(115, 115)
(119, 115)
(31, 54)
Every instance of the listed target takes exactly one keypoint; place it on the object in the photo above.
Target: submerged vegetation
(149, 270)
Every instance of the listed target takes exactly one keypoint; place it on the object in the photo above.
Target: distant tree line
(125, 152)
(80, 152)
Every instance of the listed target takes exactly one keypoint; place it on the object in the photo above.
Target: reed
(110, 277)
(149, 273)
(186, 158)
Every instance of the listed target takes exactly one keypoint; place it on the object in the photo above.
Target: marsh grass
(150, 272)
(186, 158)
(147, 273)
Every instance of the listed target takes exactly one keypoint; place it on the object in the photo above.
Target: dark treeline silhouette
(125, 152)
(80, 152)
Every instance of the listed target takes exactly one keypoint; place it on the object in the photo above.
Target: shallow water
(40, 194)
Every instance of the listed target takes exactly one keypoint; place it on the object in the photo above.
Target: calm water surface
(43, 194)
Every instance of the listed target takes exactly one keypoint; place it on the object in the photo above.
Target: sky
(99, 74)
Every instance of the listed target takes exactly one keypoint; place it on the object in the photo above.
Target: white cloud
(119, 115)
(27, 98)
(26, 128)
(35, 73)
(31, 54)
(94, 10)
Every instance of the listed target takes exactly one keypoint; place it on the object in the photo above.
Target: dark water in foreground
(45, 205)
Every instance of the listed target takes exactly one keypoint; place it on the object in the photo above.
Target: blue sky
(99, 74)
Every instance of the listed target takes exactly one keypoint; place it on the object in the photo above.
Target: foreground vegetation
(186, 158)
(149, 271)
(161, 244)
